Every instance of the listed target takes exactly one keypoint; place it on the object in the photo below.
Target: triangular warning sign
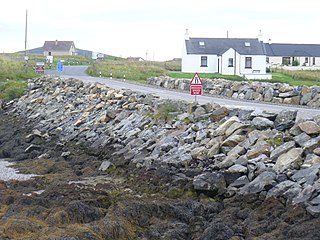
(196, 80)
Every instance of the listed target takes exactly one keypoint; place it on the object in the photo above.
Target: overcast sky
(154, 29)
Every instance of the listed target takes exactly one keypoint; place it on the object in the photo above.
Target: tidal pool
(9, 173)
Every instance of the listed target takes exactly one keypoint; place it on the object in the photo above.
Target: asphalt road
(79, 73)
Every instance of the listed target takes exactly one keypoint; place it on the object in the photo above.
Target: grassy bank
(13, 75)
(138, 71)
(296, 78)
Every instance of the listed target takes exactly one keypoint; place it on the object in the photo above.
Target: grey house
(58, 48)
(293, 54)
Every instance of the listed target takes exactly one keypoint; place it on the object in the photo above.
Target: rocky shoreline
(117, 164)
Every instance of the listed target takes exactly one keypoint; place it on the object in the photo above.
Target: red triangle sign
(196, 80)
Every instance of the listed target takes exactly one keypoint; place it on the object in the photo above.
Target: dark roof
(57, 45)
(293, 50)
(217, 46)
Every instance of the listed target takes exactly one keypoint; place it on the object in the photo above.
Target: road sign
(196, 85)
(60, 66)
(39, 67)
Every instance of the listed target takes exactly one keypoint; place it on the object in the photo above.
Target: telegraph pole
(26, 58)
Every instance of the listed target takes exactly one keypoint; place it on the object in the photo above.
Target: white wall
(225, 69)
(192, 63)
(258, 65)
(278, 61)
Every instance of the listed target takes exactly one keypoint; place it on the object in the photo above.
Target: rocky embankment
(257, 91)
(117, 164)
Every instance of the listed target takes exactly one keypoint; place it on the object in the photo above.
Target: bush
(295, 63)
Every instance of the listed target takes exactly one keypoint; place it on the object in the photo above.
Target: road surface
(79, 73)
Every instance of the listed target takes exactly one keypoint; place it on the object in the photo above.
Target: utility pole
(26, 58)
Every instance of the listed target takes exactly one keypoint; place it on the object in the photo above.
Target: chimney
(186, 35)
(56, 43)
(260, 36)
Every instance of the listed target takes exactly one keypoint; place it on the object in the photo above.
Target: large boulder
(285, 119)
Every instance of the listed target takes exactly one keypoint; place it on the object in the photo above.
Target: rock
(264, 181)
(221, 130)
(261, 123)
(261, 147)
(314, 210)
(282, 149)
(31, 148)
(240, 182)
(104, 165)
(309, 127)
(285, 119)
(290, 160)
(281, 188)
(306, 176)
(199, 153)
(305, 195)
(211, 183)
(233, 140)
(301, 139)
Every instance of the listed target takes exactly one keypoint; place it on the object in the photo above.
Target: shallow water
(9, 173)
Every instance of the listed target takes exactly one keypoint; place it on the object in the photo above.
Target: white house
(245, 57)
(284, 54)
(56, 48)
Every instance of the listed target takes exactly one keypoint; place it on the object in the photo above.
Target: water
(9, 173)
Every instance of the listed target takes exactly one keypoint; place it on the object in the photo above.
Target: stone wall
(258, 91)
(221, 152)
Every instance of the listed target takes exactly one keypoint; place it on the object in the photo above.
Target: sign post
(60, 66)
(196, 86)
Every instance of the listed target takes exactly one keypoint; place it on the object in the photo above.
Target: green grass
(296, 78)
(204, 75)
(13, 72)
(132, 70)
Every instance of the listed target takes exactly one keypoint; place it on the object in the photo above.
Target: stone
(261, 123)
(285, 119)
(264, 181)
(261, 147)
(240, 182)
(290, 160)
(279, 189)
(301, 139)
(309, 127)
(221, 130)
(212, 183)
(314, 210)
(268, 95)
(282, 149)
(305, 195)
(105, 165)
(233, 140)
(306, 176)
(199, 153)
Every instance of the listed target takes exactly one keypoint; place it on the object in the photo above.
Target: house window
(204, 61)
(306, 60)
(268, 60)
(248, 63)
(286, 61)
(230, 62)
(201, 44)
(313, 61)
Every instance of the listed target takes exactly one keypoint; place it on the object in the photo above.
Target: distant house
(244, 57)
(293, 54)
(55, 48)
(140, 59)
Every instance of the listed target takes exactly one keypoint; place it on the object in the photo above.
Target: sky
(154, 30)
